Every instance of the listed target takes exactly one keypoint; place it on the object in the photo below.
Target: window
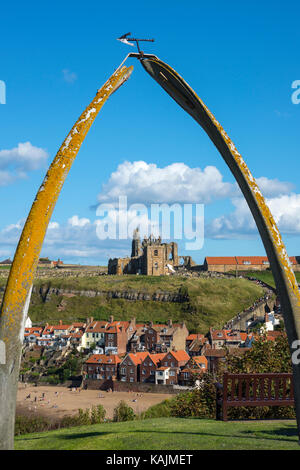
(143, 372)
(246, 262)
(123, 370)
(155, 252)
(172, 372)
(131, 379)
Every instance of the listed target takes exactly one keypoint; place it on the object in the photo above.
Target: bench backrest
(258, 387)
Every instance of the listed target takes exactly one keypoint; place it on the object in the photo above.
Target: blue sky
(240, 57)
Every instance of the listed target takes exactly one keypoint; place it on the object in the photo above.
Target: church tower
(136, 249)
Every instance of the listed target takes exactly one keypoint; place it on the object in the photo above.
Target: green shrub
(161, 410)
(123, 412)
(198, 402)
(25, 425)
(97, 414)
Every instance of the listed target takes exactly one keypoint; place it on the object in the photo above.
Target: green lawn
(168, 434)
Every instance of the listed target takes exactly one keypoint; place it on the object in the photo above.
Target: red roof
(61, 327)
(180, 355)
(241, 260)
(138, 357)
(156, 358)
(220, 260)
(116, 326)
(103, 359)
(96, 327)
(193, 336)
(200, 359)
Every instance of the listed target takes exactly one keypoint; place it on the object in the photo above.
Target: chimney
(111, 319)
(132, 321)
(150, 324)
(60, 322)
(170, 323)
(91, 319)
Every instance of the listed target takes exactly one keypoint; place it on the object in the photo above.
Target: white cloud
(240, 223)
(147, 183)
(274, 187)
(286, 212)
(68, 76)
(18, 161)
(74, 241)
(75, 221)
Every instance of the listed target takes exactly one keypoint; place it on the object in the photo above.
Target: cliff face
(46, 293)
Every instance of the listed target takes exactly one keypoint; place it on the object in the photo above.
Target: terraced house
(167, 373)
(149, 366)
(129, 370)
(94, 334)
(102, 367)
(195, 344)
(162, 338)
(196, 366)
(116, 337)
(230, 338)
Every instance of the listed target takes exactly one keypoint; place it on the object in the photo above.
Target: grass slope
(212, 301)
(266, 276)
(168, 434)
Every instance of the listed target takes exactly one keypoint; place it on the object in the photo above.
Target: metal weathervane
(18, 290)
(125, 40)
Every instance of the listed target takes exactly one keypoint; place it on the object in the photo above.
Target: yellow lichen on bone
(28, 251)
(264, 209)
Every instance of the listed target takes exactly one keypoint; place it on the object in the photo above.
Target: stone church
(150, 257)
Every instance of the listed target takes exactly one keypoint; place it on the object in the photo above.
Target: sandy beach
(57, 402)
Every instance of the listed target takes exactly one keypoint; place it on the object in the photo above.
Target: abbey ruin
(150, 257)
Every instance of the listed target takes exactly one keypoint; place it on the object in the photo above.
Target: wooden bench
(253, 390)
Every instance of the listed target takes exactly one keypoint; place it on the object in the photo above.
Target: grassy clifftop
(167, 434)
(211, 301)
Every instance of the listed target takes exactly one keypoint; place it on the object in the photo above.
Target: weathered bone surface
(19, 285)
(284, 276)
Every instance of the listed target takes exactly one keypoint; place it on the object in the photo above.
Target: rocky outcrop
(47, 292)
